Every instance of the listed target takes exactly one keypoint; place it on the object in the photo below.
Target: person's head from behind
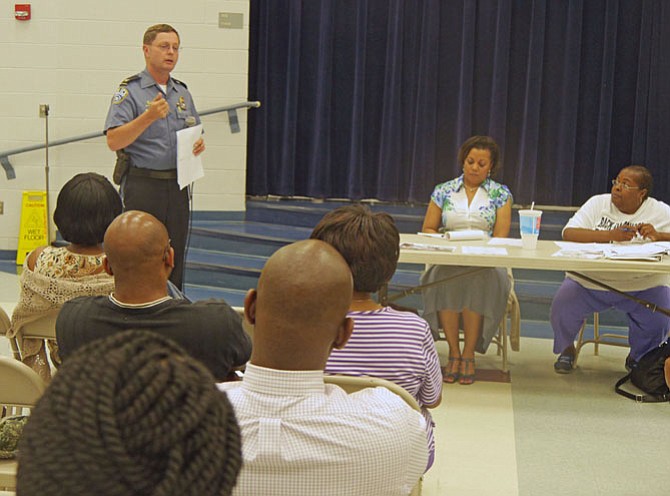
(138, 249)
(86, 205)
(369, 242)
(131, 414)
(299, 308)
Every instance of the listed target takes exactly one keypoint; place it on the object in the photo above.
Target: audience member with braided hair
(150, 421)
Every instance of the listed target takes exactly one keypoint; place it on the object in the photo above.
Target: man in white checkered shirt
(299, 435)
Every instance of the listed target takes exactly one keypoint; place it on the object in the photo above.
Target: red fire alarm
(22, 11)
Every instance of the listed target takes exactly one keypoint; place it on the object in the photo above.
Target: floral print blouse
(480, 214)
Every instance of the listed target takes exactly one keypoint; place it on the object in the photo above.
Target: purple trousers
(573, 303)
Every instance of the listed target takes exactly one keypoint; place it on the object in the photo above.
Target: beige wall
(72, 55)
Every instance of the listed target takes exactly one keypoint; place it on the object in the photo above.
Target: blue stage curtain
(372, 98)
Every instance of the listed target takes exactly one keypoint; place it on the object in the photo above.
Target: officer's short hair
(86, 205)
(152, 31)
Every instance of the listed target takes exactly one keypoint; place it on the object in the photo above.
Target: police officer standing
(143, 119)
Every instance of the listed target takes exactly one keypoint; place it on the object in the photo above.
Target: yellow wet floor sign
(33, 231)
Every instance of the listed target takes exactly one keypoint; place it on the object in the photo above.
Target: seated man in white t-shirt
(299, 435)
(627, 214)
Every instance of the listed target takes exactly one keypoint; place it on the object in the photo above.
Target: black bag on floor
(649, 376)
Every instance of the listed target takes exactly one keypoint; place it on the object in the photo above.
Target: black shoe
(565, 364)
(630, 363)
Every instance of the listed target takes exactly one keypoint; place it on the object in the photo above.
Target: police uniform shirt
(156, 147)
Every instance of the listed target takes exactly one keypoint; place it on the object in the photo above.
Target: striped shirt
(301, 437)
(396, 346)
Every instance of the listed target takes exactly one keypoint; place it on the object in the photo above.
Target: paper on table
(637, 251)
(572, 245)
(189, 167)
(482, 250)
(504, 242)
(613, 251)
(431, 235)
(570, 253)
(465, 235)
(423, 246)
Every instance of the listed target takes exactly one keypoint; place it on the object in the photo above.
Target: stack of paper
(652, 251)
(637, 251)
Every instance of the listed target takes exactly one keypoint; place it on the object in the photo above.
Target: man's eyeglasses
(623, 186)
(165, 47)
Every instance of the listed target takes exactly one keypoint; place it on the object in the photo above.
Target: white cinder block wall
(72, 55)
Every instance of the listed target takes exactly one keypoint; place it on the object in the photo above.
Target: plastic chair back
(20, 387)
(42, 328)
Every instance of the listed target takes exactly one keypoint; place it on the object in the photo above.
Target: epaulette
(129, 79)
(180, 82)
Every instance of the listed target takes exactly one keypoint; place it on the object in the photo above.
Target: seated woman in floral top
(471, 201)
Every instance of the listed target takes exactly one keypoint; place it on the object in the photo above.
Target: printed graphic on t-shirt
(607, 224)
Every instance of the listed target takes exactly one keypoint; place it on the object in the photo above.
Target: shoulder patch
(129, 79)
(180, 82)
(120, 95)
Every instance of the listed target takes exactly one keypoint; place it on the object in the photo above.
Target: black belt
(152, 173)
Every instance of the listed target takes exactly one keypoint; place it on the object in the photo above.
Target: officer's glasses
(623, 186)
(165, 47)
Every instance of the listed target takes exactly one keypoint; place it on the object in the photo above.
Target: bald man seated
(140, 258)
(300, 436)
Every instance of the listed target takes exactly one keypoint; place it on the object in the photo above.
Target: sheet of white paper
(504, 242)
(569, 253)
(631, 251)
(572, 245)
(431, 235)
(636, 249)
(189, 167)
(482, 250)
(426, 247)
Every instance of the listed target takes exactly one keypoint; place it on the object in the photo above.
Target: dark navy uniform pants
(163, 199)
